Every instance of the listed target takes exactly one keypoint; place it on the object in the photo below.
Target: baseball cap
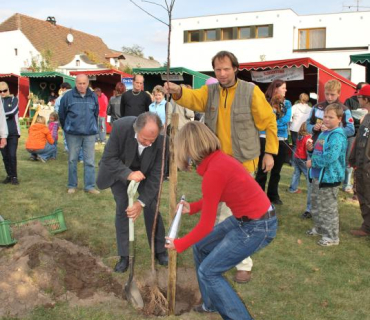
(364, 91)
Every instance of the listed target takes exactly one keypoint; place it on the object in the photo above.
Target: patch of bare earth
(41, 270)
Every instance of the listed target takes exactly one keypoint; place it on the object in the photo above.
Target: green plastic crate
(6, 235)
(54, 223)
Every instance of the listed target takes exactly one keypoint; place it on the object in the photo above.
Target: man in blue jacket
(78, 115)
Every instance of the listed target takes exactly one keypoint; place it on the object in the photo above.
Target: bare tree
(158, 303)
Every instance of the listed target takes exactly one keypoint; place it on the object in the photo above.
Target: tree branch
(149, 13)
(157, 4)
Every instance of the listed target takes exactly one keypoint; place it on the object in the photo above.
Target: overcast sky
(121, 23)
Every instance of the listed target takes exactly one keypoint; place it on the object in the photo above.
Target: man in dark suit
(134, 152)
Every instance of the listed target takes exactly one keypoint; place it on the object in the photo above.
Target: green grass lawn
(293, 278)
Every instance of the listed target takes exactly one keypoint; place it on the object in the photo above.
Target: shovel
(132, 292)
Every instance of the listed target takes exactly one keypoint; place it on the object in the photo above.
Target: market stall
(362, 60)
(43, 83)
(18, 86)
(302, 75)
(155, 76)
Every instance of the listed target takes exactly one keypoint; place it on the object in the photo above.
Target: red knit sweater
(224, 180)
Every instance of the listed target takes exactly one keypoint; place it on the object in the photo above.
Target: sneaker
(327, 242)
(92, 191)
(103, 143)
(80, 161)
(41, 159)
(348, 189)
(312, 232)
(200, 309)
(295, 191)
(33, 158)
(14, 181)
(306, 215)
(277, 201)
(7, 180)
(71, 190)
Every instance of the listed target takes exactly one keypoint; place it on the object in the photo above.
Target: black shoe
(306, 215)
(122, 265)
(7, 180)
(162, 258)
(14, 181)
(277, 201)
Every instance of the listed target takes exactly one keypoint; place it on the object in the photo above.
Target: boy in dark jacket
(360, 160)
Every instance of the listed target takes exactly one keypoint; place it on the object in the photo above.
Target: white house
(273, 35)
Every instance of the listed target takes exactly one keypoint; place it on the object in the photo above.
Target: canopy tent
(105, 79)
(18, 86)
(314, 79)
(363, 60)
(43, 83)
(155, 76)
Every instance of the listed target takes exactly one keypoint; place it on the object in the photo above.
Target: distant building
(273, 35)
(26, 38)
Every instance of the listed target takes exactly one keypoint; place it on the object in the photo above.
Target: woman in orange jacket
(40, 142)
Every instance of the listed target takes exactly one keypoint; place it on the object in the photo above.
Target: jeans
(228, 244)
(347, 183)
(100, 136)
(46, 153)
(299, 167)
(75, 144)
(10, 156)
(80, 154)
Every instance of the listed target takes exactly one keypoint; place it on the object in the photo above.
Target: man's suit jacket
(119, 154)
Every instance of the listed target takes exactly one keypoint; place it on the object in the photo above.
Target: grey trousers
(324, 210)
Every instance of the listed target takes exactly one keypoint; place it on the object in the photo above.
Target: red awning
(101, 72)
(289, 63)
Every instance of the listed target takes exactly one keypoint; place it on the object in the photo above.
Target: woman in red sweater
(219, 248)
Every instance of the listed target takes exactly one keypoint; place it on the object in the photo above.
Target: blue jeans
(80, 155)
(46, 153)
(299, 166)
(230, 242)
(75, 144)
(100, 136)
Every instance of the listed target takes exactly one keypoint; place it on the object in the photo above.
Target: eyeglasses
(3, 91)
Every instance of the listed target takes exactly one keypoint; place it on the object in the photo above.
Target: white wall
(342, 30)
(9, 62)
(72, 66)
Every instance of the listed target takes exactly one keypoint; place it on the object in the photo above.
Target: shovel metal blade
(133, 295)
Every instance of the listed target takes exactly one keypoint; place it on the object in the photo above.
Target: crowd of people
(244, 140)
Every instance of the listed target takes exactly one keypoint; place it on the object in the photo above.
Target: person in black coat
(9, 152)
(134, 152)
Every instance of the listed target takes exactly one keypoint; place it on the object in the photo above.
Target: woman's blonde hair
(195, 141)
(41, 119)
(303, 98)
(303, 129)
(158, 88)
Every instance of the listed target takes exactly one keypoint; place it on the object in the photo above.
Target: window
(194, 36)
(77, 63)
(312, 38)
(16, 51)
(262, 32)
(346, 73)
(227, 34)
(210, 35)
(244, 33)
